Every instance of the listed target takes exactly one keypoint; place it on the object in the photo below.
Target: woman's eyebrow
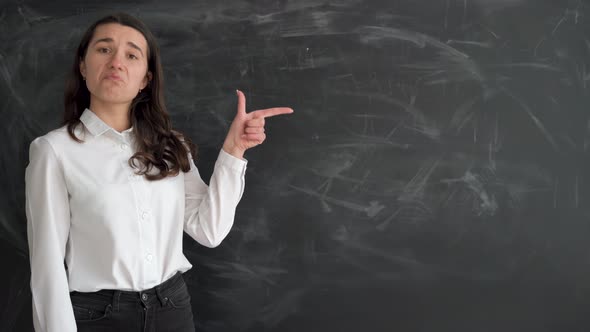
(110, 40)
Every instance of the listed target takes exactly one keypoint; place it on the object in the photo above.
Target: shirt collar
(95, 125)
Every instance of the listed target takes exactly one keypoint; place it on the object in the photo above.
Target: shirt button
(144, 215)
(149, 257)
(144, 296)
(123, 146)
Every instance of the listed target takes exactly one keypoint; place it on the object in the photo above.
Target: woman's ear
(82, 68)
(147, 79)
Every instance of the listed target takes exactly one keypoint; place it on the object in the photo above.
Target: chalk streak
(371, 210)
(535, 119)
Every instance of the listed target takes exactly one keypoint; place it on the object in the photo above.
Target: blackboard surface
(434, 176)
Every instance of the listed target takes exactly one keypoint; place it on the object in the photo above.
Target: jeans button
(144, 296)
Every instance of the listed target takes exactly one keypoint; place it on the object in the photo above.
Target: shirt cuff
(235, 163)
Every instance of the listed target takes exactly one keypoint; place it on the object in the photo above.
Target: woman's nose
(116, 60)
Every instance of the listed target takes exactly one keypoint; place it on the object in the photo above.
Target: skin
(122, 50)
(110, 98)
(247, 129)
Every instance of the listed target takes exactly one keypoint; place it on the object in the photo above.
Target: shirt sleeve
(210, 210)
(48, 226)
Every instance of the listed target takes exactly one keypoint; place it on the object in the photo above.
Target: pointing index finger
(265, 113)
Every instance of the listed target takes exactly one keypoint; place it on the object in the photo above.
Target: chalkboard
(434, 176)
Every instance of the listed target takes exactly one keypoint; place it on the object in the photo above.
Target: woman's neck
(114, 115)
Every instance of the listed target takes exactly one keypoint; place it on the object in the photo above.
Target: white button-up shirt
(115, 229)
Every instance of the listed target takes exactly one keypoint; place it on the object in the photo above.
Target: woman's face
(115, 64)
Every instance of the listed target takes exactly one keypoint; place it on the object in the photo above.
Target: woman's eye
(107, 50)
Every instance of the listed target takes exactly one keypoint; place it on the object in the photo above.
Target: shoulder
(54, 141)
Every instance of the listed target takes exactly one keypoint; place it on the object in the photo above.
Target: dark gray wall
(434, 176)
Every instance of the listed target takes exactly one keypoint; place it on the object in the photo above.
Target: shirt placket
(145, 227)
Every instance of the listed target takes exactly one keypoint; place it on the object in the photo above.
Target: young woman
(111, 192)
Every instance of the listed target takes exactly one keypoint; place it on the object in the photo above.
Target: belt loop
(163, 300)
(116, 298)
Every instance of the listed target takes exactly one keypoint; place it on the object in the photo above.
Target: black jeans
(166, 307)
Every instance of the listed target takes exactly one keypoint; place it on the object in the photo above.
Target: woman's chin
(114, 98)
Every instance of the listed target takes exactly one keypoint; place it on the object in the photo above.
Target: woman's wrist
(238, 153)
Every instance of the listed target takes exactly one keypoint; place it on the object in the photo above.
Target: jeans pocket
(179, 299)
(84, 313)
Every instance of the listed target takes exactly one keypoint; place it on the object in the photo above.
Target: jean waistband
(148, 297)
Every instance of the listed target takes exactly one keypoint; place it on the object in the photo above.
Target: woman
(111, 192)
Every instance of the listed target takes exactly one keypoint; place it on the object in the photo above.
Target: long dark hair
(158, 144)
